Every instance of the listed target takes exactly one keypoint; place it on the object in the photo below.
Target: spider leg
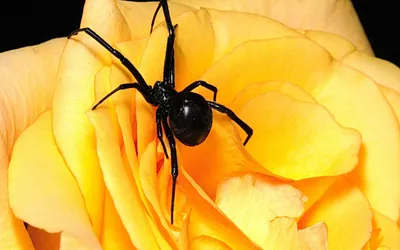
(174, 163)
(204, 85)
(137, 86)
(154, 17)
(115, 52)
(221, 108)
(159, 130)
(169, 63)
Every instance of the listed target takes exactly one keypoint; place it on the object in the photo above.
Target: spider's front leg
(174, 162)
(154, 17)
(221, 108)
(125, 61)
(169, 63)
(144, 91)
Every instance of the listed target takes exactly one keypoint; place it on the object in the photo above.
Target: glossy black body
(190, 118)
(184, 115)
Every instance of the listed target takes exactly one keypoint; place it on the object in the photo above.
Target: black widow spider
(190, 115)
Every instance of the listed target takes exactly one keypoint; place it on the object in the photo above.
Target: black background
(35, 21)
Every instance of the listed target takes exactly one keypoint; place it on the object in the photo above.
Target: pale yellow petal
(381, 71)
(82, 58)
(336, 45)
(119, 182)
(321, 146)
(335, 86)
(346, 212)
(271, 220)
(333, 16)
(42, 190)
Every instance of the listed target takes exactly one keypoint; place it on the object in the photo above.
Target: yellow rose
(322, 167)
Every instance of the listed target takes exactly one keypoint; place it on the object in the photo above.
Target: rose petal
(113, 234)
(316, 236)
(42, 190)
(57, 241)
(121, 115)
(183, 241)
(285, 235)
(82, 58)
(255, 89)
(304, 140)
(338, 17)
(207, 242)
(119, 182)
(44, 240)
(207, 219)
(229, 33)
(12, 231)
(271, 222)
(389, 232)
(346, 212)
(313, 188)
(138, 13)
(23, 97)
(336, 45)
(383, 72)
(290, 59)
(335, 86)
(393, 97)
(148, 179)
(196, 49)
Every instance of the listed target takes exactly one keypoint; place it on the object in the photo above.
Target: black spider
(190, 115)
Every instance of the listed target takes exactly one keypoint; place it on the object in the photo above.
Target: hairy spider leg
(159, 115)
(116, 53)
(203, 84)
(154, 17)
(221, 108)
(174, 162)
(143, 91)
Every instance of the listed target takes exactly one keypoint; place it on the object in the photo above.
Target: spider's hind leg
(174, 163)
(221, 108)
(159, 131)
(203, 84)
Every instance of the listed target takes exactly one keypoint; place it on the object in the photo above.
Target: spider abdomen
(190, 118)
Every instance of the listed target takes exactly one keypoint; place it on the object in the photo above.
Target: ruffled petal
(138, 13)
(298, 140)
(42, 190)
(27, 85)
(381, 71)
(270, 221)
(118, 178)
(335, 86)
(313, 188)
(205, 217)
(82, 58)
(336, 45)
(337, 17)
(388, 233)
(113, 233)
(346, 212)
(207, 242)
